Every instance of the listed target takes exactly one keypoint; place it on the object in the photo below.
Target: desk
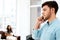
(3, 36)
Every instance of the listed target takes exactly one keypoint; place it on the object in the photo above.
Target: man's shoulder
(57, 23)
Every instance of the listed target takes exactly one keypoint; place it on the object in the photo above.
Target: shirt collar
(49, 23)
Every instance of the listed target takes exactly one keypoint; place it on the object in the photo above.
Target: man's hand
(39, 20)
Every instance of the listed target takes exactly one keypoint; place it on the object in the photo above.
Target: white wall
(33, 16)
(58, 13)
(23, 18)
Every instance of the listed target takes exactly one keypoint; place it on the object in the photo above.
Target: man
(51, 30)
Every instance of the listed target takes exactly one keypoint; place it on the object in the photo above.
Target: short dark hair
(9, 30)
(51, 4)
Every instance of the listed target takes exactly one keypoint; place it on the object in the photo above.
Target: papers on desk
(11, 38)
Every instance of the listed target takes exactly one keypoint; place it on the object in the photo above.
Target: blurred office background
(21, 15)
(15, 13)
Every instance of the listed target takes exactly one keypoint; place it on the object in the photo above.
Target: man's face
(46, 12)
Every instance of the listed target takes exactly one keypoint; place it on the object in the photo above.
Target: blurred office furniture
(3, 36)
(29, 37)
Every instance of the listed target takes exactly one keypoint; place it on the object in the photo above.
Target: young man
(51, 30)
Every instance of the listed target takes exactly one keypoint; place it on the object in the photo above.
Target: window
(8, 14)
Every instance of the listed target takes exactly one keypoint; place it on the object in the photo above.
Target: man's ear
(52, 10)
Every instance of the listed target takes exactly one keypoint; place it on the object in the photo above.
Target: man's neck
(52, 18)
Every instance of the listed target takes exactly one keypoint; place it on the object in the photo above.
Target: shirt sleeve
(36, 34)
(58, 34)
